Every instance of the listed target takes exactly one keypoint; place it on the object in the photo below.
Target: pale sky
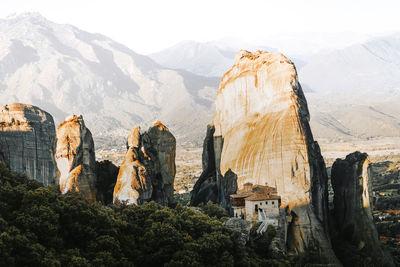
(150, 25)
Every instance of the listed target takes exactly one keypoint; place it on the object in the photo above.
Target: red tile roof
(256, 192)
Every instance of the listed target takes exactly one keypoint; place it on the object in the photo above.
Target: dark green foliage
(261, 243)
(184, 199)
(40, 227)
(387, 203)
(259, 251)
(214, 210)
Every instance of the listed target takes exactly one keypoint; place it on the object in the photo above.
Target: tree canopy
(41, 227)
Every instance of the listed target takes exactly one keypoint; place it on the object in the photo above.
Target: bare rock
(262, 136)
(27, 136)
(107, 174)
(148, 170)
(133, 183)
(206, 188)
(75, 158)
(160, 146)
(352, 209)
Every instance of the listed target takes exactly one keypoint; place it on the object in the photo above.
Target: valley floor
(188, 158)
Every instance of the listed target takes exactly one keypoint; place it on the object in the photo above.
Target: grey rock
(27, 136)
(206, 188)
(160, 145)
(107, 174)
(75, 158)
(352, 208)
(268, 141)
(148, 170)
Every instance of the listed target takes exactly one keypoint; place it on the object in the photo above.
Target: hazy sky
(150, 25)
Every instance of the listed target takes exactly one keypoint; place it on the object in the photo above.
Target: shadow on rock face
(211, 185)
(107, 174)
(355, 238)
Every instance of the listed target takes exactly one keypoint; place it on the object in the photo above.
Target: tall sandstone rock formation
(353, 214)
(261, 134)
(148, 170)
(75, 158)
(133, 182)
(27, 136)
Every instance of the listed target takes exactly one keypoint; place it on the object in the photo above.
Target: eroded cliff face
(75, 158)
(206, 187)
(148, 170)
(27, 136)
(262, 136)
(107, 174)
(133, 182)
(354, 225)
(260, 115)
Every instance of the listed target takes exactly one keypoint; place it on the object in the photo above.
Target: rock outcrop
(206, 187)
(261, 134)
(27, 136)
(107, 174)
(148, 170)
(352, 211)
(75, 158)
(133, 182)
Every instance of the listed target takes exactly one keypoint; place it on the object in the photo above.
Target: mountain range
(211, 59)
(65, 70)
(352, 88)
(352, 82)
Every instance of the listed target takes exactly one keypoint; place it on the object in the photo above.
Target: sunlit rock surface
(133, 183)
(262, 136)
(27, 136)
(352, 208)
(148, 170)
(75, 158)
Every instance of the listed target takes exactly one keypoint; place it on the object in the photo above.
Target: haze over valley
(351, 82)
(212, 133)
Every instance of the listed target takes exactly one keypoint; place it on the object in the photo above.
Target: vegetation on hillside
(41, 227)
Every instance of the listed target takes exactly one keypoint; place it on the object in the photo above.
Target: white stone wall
(238, 212)
(269, 206)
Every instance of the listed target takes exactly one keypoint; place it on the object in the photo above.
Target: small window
(256, 208)
(266, 202)
(260, 203)
(272, 203)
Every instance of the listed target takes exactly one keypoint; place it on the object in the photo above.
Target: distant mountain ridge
(356, 90)
(371, 68)
(351, 90)
(65, 70)
(211, 59)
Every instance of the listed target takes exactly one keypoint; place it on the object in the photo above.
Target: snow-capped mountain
(65, 70)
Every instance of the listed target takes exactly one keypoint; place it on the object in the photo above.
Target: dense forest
(41, 227)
